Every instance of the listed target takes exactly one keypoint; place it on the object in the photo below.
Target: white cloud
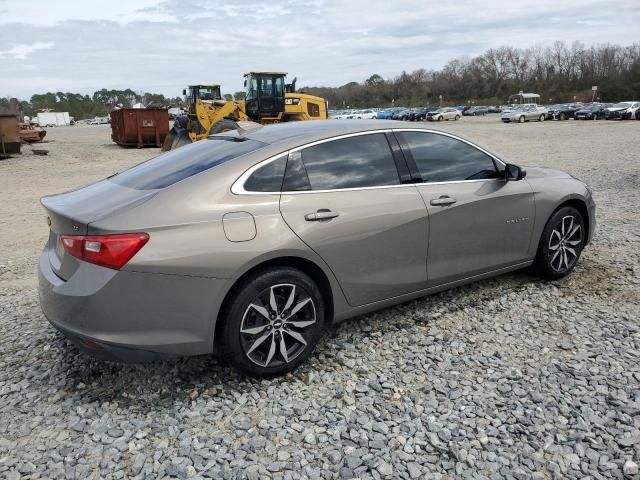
(162, 46)
(22, 51)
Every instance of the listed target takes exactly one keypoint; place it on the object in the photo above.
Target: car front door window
(440, 158)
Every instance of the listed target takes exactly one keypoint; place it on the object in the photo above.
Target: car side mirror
(514, 172)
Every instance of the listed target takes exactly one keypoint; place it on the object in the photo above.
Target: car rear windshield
(183, 162)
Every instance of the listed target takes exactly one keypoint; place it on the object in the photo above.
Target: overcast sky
(161, 46)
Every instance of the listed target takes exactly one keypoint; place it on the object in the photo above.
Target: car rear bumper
(131, 316)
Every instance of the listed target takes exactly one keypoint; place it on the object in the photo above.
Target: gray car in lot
(249, 243)
(524, 114)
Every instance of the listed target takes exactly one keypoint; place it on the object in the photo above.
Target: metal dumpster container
(140, 127)
(9, 139)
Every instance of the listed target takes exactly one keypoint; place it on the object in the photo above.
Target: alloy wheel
(564, 244)
(274, 327)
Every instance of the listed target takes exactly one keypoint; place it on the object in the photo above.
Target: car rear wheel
(521, 119)
(561, 244)
(273, 322)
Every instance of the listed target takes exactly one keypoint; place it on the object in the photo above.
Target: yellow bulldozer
(268, 99)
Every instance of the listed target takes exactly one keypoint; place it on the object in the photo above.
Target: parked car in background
(509, 108)
(622, 111)
(447, 113)
(418, 114)
(593, 111)
(563, 111)
(367, 114)
(475, 112)
(525, 114)
(402, 114)
(387, 113)
(494, 109)
(250, 243)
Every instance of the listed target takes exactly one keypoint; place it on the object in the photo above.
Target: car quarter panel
(168, 314)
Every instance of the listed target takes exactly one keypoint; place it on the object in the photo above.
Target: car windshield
(183, 162)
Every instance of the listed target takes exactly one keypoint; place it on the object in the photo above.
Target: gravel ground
(507, 378)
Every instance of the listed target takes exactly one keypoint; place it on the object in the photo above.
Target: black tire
(541, 118)
(223, 125)
(553, 263)
(239, 344)
(440, 118)
(521, 119)
(562, 116)
(457, 117)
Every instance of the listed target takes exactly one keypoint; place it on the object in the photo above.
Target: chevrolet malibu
(250, 242)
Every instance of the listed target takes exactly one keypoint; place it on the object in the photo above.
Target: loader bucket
(176, 138)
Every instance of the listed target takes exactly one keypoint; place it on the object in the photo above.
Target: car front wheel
(273, 322)
(561, 244)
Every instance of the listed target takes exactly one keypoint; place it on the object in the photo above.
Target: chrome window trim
(238, 186)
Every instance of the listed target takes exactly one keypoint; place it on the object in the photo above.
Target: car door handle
(443, 201)
(320, 215)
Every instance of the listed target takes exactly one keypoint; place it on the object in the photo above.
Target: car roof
(293, 134)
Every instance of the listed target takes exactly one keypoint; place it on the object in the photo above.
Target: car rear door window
(353, 162)
(267, 178)
(441, 158)
(183, 162)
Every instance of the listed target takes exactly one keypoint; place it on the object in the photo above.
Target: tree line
(100, 103)
(559, 73)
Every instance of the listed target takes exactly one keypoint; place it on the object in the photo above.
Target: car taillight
(111, 251)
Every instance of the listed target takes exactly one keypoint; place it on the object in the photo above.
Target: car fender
(549, 195)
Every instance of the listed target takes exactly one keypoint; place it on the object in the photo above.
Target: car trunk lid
(70, 213)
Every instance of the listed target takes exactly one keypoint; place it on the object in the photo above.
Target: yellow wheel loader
(267, 100)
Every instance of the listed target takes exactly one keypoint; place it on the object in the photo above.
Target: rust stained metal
(9, 138)
(140, 127)
(28, 133)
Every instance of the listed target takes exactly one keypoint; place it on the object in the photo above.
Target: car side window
(267, 178)
(440, 158)
(353, 162)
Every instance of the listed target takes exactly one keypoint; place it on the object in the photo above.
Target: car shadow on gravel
(165, 382)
